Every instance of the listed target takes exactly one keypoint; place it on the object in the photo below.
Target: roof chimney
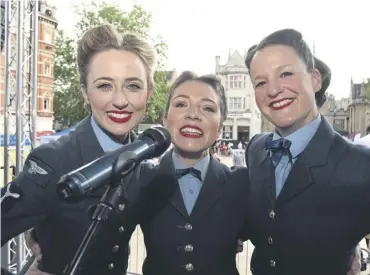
(217, 60)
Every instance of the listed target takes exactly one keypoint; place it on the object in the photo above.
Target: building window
(2, 14)
(2, 30)
(248, 104)
(47, 69)
(46, 104)
(339, 124)
(235, 81)
(227, 132)
(236, 103)
(47, 37)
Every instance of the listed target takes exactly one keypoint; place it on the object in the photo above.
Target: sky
(198, 30)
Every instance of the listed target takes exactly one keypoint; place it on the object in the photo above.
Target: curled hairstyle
(210, 80)
(106, 37)
(294, 39)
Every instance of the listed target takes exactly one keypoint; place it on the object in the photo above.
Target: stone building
(244, 118)
(47, 24)
(359, 109)
(336, 112)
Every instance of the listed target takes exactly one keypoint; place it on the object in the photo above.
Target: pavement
(226, 160)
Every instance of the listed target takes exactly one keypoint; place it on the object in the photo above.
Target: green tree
(157, 102)
(68, 100)
(69, 107)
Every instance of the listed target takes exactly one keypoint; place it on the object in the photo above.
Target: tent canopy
(363, 141)
(55, 136)
(12, 140)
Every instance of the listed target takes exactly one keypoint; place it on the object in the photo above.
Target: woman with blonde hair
(116, 78)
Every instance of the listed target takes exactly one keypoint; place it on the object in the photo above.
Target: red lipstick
(119, 116)
(191, 131)
(281, 104)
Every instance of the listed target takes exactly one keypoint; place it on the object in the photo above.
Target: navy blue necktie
(192, 171)
(278, 148)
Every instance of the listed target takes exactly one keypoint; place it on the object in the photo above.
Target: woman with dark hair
(191, 207)
(309, 203)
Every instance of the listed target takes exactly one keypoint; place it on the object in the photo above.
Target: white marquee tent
(55, 136)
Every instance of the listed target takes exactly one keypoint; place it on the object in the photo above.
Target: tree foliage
(69, 107)
(158, 100)
(67, 95)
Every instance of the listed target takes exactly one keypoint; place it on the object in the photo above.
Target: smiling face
(193, 117)
(284, 88)
(117, 91)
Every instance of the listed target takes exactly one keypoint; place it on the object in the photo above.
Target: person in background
(240, 145)
(238, 158)
(229, 149)
(213, 152)
(218, 146)
(309, 202)
(116, 77)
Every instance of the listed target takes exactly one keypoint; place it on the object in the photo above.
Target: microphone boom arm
(114, 198)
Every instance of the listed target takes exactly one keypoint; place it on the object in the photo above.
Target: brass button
(121, 229)
(272, 263)
(270, 241)
(115, 248)
(188, 227)
(110, 266)
(272, 214)
(188, 248)
(189, 267)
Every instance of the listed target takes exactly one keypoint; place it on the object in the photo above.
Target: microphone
(152, 143)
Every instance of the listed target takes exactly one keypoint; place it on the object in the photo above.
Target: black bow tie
(192, 171)
(278, 148)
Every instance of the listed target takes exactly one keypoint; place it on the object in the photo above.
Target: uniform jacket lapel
(262, 171)
(170, 188)
(90, 148)
(314, 156)
(210, 192)
(88, 143)
(212, 189)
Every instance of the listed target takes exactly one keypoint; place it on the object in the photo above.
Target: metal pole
(35, 42)
(8, 60)
(21, 86)
(20, 99)
(5, 258)
(19, 114)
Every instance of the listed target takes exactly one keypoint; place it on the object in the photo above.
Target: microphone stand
(115, 197)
